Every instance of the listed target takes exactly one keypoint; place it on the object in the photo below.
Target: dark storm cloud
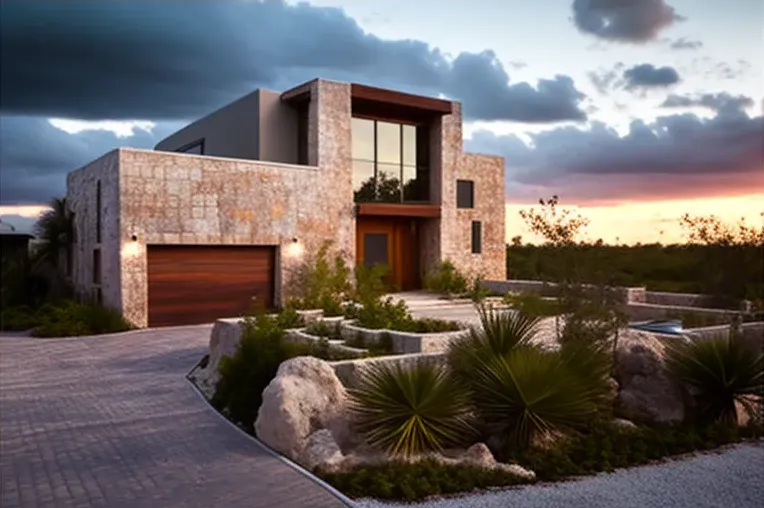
(630, 21)
(35, 156)
(650, 76)
(179, 60)
(714, 101)
(676, 155)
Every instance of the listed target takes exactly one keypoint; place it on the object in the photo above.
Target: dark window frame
(98, 211)
(465, 198)
(188, 146)
(421, 169)
(477, 237)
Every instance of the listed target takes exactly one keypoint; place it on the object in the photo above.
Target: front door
(391, 242)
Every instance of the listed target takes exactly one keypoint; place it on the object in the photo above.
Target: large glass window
(389, 163)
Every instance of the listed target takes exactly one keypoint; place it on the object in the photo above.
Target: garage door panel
(198, 284)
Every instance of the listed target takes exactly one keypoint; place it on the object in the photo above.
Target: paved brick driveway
(111, 421)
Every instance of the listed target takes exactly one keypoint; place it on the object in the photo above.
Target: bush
(244, 376)
(719, 372)
(446, 279)
(321, 283)
(370, 283)
(410, 411)
(379, 314)
(69, 318)
(533, 305)
(406, 481)
(17, 318)
(604, 448)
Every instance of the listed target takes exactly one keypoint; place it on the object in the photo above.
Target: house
(14, 245)
(219, 216)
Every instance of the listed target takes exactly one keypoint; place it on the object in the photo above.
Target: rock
(322, 451)
(224, 341)
(479, 455)
(647, 390)
(623, 424)
(614, 388)
(744, 413)
(304, 397)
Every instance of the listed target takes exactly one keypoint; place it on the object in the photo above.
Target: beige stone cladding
(487, 173)
(82, 190)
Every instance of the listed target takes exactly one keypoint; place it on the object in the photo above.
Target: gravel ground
(733, 478)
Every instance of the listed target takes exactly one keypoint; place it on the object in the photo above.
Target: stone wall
(487, 173)
(682, 299)
(82, 188)
(622, 294)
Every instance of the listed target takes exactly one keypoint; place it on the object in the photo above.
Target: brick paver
(112, 421)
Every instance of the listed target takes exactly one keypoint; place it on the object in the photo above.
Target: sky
(631, 111)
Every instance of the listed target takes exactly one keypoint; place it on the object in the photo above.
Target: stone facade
(176, 198)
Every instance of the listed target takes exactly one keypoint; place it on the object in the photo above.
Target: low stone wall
(622, 294)
(403, 342)
(679, 299)
(648, 311)
(753, 333)
(349, 371)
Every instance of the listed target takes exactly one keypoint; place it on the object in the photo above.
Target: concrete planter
(403, 342)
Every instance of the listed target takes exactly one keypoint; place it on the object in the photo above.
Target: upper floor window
(98, 211)
(390, 161)
(477, 237)
(465, 194)
(195, 148)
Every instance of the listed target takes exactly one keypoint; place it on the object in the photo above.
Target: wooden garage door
(191, 284)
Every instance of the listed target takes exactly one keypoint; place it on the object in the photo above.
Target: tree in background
(56, 231)
(731, 257)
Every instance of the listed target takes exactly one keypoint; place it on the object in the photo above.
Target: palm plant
(498, 334)
(411, 411)
(56, 229)
(529, 393)
(719, 372)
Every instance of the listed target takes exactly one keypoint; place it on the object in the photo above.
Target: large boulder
(224, 341)
(647, 390)
(321, 450)
(305, 396)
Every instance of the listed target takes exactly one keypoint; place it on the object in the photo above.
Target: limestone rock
(321, 450)
(646, 388)
(304, 397)
(480, 455)
(623, 424)
(224, 341)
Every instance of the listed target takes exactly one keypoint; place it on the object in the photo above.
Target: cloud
(684, 43)
(714, 101)
(649, 76)
(627, 21)
(162, 61)
(678, 155)
(36, 156)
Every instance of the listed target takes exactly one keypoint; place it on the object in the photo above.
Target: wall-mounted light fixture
(134, 237)
(294, 248)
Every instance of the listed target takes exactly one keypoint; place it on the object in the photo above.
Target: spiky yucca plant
(411, 411)
(719, 371)
(529, 393)
(500, 331)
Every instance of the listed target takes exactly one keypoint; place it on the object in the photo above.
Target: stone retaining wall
(648, 311)
(348, 371)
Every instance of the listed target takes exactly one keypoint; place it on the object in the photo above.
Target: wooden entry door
(392, 241)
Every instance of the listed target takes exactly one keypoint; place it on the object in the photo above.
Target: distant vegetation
(719, 259)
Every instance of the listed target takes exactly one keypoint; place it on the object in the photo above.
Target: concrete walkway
(111, 421)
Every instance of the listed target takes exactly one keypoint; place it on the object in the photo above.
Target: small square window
(465, 194)
(477, 237)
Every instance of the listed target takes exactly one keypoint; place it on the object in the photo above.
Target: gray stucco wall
(232, 131)
(277, 130)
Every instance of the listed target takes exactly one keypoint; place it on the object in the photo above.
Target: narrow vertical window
(97, 266)
(477, 237)
(98, 211)
(465, 194)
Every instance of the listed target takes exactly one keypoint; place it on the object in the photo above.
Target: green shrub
(321, 283)
(410, 411)
(446, 279)
(380, 314)
(286, 319)
(406, 481)
(719, 371)
(69, 318)
(478, 291)
(244, 376)
(427, 325)
(323, 329)
(533, 305)
(370, 283)
(604, 448)
(17, 318)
